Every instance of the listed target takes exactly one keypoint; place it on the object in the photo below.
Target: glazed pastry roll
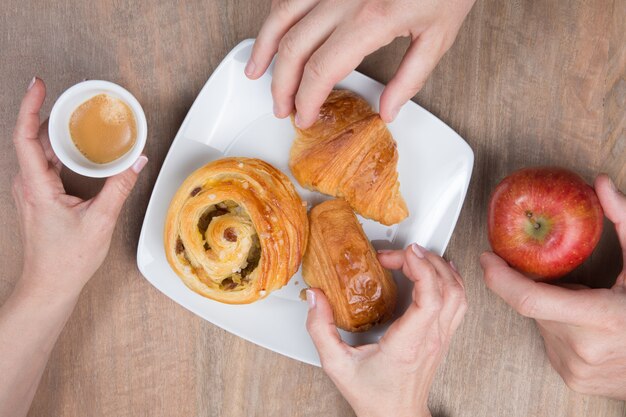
(350, 153)
(341, 261)
(236, 230)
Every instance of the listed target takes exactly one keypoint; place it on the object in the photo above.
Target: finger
(108, 203)
(391, 259)
(407, 331)
(44, 139)
(457, 275)
(457, 317)
(614, 204)
(418, 268)
(453, 294)
(294, 50)
(321, 326)
(420, 60)
(30, 154)
(342, 52)
(443, 268)
(572, 286)
(535, 299)
(282, 17)
(408, 335)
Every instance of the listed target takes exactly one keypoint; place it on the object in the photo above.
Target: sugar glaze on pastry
(350, 153)
(236, 230)
(341, 261)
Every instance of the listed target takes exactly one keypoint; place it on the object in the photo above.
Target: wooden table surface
(526, 83)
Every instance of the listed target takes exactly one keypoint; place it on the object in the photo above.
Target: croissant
(350, 153)
(342, 262)
(236, 230)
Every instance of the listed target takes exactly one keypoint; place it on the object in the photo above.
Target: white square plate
(232, 116)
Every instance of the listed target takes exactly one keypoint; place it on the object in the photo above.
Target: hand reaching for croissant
(319, 42)
(393, 377)
(584, 330)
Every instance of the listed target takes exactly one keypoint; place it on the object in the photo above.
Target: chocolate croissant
(341, 261)
(236, 230)
(350, 153)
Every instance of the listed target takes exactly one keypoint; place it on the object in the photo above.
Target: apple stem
(535, 223)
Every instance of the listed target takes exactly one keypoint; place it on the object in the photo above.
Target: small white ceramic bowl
(59, 129)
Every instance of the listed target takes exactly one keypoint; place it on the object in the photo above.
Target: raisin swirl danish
(236, 230)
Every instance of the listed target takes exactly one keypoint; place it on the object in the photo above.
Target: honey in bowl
(103, 128)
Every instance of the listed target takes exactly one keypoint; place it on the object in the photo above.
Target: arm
(30, 324)
(65, 240)
(584, 330)
(393, 377)
(319, 42)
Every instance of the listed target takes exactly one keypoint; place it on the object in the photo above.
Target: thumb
(420, 60)
(109, 202)
(532, 299)
(391, 259)
(614, 204)
(321, 326)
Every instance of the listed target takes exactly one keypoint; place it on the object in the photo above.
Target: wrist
(421, 411)
(31, 287)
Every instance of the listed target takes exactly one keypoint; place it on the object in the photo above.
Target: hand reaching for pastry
(319, 42)
(584, 330)
(393, 377)
(65, 240)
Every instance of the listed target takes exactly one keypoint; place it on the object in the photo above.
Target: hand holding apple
(544, 221)
(584, 330)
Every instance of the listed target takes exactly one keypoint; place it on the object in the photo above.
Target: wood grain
(526, 83)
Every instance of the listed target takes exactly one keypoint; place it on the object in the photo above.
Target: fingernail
(139, 164)
(250, 67)
(417, 250)
(297, 121)
(393, 113)
(32, 82)
(613, 186)
(381, 251)
(482, 258)
(453, 266)
(310, 299)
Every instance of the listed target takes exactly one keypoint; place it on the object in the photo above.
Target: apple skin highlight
(544, 221)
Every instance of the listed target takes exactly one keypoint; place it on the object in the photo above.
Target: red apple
(544, 221)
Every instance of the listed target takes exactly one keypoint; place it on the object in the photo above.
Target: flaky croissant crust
(236, 230)
(350, 153)
(342, 262)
